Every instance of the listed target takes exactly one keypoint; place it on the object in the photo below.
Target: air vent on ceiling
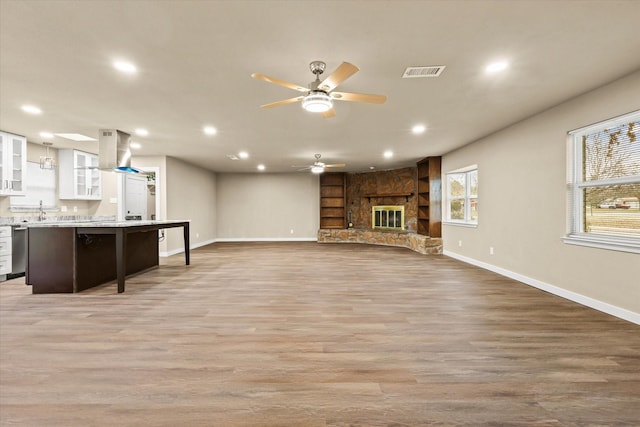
(419, 72)
(232, 157)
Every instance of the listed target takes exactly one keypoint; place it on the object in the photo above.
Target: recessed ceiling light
(496, 67)
(46, 134)
(142, 132)
(260, 167)
(418, 129)
(125, 67)
(209, 130)
(31, 109)
(75, 137)
(243, 154)
(135, 145)
(388, 154)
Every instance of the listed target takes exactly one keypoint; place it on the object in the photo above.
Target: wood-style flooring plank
(306, 334)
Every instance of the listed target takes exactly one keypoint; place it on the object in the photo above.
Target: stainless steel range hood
(114, 153)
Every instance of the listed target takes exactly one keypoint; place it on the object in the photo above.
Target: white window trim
(575, 224)
(467, 196)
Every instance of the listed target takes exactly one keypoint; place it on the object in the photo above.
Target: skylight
(75, 137)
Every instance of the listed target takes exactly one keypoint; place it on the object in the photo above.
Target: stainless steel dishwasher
(18, 251)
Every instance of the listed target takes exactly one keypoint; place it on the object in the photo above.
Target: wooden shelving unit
(430, 197)
(333, 200)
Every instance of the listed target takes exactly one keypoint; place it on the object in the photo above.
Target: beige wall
(267, 206)
(190, 194)
(522, 205)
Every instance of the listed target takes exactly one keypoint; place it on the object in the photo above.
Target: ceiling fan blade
(279, 82)
(329, 113)
(342, 73)
(283, 102)
(336, 165)
(359, 97)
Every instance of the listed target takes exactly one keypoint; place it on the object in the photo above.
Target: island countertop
(101, 224)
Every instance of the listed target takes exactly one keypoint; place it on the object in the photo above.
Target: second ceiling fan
(319, 96)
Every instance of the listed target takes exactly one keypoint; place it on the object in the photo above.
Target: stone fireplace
(382, 188)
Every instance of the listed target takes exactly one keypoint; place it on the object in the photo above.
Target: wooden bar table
(65, 257)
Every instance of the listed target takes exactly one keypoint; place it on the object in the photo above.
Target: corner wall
(522, 197)
(262, 206)
(190, 194)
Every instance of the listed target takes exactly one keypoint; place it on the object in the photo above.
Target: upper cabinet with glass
(13, 164)
(79, 175)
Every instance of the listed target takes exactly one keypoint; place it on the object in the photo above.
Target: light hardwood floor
(304, 334)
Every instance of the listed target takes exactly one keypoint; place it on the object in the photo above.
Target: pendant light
(46, 161)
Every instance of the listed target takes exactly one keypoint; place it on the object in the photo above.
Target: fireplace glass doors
(387, 217)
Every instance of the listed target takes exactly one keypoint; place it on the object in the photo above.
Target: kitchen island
(64, 257)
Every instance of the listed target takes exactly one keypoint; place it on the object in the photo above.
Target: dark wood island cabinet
(71, 257)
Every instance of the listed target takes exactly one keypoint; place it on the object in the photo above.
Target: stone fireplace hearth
(417, 242)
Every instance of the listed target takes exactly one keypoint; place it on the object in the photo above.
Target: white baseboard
(244, 239)
(564, 293)
(193, 246)
(268, 239)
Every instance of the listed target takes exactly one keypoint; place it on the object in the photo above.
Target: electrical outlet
(63, 208)
(490, 250)
(292, 231)
(75, 209)
(459, 243)
(197, 235)
(113, 200)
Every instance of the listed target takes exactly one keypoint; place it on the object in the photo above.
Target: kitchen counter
(74, 256)
(100, 224)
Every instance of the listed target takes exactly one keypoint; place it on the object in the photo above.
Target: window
(604, 184)
(40, 186)
(462, 196)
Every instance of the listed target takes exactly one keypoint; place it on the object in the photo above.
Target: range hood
(114, 153)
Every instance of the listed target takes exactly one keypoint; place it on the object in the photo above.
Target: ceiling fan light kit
(317, 102)
(318, 166)
(319, 94)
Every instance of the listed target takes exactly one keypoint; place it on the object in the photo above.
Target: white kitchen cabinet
(5, 251)
(79, 175)
(13, 164)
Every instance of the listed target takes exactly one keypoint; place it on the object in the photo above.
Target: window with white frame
(604, 184)
(462, 196)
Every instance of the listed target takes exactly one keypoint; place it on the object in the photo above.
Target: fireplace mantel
(383, 195)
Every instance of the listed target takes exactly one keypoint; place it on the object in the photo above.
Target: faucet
(42, 215)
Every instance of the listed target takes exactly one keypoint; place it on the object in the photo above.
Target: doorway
(139, 195)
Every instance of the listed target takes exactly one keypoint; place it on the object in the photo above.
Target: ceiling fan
(319, 96)
(318, 166)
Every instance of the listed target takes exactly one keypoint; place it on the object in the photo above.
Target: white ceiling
(195, 59)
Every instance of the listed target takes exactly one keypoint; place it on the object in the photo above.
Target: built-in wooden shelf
(382, 195)
(429, 197)
(333, 200)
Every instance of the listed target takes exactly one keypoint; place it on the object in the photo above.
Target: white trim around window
(461, 197)
(604, 185)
